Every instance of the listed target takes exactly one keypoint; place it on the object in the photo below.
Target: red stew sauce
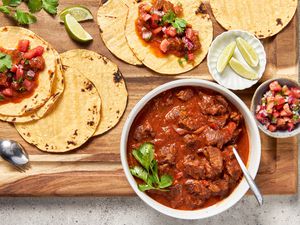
(19, 79)
(192, 130)
(160, 26)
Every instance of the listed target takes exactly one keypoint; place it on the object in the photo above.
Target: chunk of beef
(180, 131)
(198, 188)
(219, 137)
(232, 167)
(195, 168)
(166, 154)
(191, 140)
(219, 187)
(215, 158)
(143, 131)
(175, 195)
(212, 105)
(176, 112)
(217, 122)
(189, 123)
(185, 94)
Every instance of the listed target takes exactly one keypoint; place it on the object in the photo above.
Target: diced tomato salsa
(160, 25)
(279, 107)
(19, 77)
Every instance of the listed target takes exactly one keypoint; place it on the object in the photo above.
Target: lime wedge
(225, 56)
(80, 13)
(247, 51)
(242, 70)
(75, 30)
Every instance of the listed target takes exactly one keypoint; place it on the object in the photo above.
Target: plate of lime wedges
(236, 59)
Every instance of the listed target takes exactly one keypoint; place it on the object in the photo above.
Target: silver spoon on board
(249, 179)
(15, 154)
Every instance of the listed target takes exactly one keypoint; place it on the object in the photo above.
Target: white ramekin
(253, 161)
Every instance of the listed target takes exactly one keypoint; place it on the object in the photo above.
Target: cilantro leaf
(24, 18)
(5, 63)
(180, 25)
(165, 181)
(35, 5)
(50, 6)
(1, 98)
(169, 17)
(139, 172)
(12, 3)
(4, 9)
(145, 187)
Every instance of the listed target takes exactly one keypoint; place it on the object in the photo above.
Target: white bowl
(253, 161)
(229, 78)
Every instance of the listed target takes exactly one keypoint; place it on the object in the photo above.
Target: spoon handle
(249, 179)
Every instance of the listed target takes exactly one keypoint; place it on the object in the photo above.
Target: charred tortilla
(108, 80)
(263, 18)
(72, 121)
(9, 38)
(169, 64)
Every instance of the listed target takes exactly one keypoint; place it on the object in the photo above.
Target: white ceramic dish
(229, 78)
(253, 162)
(260, 91)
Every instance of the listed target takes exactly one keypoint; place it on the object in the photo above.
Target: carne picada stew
(191, 131)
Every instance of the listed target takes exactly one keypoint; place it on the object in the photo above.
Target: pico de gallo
(19, 70)
(160, 25)
(279, 107)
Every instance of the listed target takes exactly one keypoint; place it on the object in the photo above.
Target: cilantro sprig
(176, 22)
(9, 8)
(5, 62)
(148, 171)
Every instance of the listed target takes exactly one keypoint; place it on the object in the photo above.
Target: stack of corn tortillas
(80, 94)
(117, 18)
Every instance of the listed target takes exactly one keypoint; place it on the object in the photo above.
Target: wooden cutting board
(95, 169)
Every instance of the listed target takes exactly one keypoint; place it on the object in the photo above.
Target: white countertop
(281, 210)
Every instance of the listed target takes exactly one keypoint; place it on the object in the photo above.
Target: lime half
(225, 56)
(242, 70)
(80, 13)
(247, 52)
(75, 30)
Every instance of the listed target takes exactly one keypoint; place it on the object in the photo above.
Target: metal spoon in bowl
(249, 179)
(15, 154)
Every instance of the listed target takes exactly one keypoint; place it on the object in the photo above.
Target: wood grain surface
(95, 168)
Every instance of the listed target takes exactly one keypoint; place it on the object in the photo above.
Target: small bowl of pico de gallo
(276, 107)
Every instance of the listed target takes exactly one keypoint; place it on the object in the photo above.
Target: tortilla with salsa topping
(27, 71)
(169, 37)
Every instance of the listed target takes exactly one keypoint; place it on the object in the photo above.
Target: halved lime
(247, 52)
(242, 70)
(80, 13)
(225, 56)
(75, 30)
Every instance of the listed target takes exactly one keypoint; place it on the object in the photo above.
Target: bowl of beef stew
(176, 148)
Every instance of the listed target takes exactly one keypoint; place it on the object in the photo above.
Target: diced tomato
(7, 92)
(146, 17)
(189, 33)
(154, 20)
(279, 100)
(171, 31)
(272, 128)
(270, 106)
(38, 51)
(276, 114)
(191, 57)
(28, 84)
(157, 30)
(164, 45)
(3, 79)
(290, 126)
(270, 99)
(23, 45)
(275, 86)
(14, 68)
(19, 73)
(259, 117)
(295, 92)
(283, 113)
(287, 109)
(280, 122)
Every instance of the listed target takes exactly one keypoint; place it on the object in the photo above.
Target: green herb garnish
(1, 98)
(149, 170)
(178, 23)
(5, 62)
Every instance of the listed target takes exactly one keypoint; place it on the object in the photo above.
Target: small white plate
(229, 78)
